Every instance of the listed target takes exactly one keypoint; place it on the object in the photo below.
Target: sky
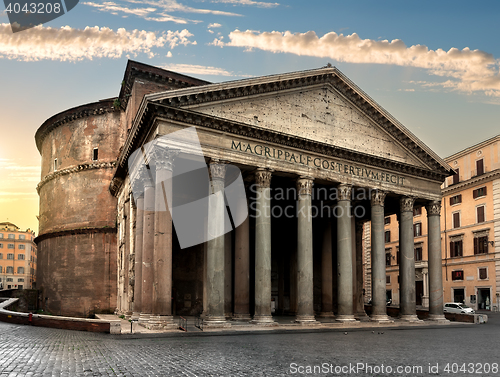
(434, 65)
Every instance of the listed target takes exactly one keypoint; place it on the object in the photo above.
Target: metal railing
(183, 324)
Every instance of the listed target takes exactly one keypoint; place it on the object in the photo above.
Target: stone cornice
(332, 76)
(484, 178)
(68, 232)
(90, 109)
(154, 111)
(136, 70)
(74, 169)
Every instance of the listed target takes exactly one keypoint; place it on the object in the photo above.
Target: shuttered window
(456, 177)
(479, 167)
(456, 220)
(477, 193)
(480, 214)
(456, 199)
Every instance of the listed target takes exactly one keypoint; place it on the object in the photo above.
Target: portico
(319, 158)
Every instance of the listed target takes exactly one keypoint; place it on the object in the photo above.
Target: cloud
(109, 6)
(68, 44)
(259, 4)
(465, 70)
(200, 70)
(214, 25)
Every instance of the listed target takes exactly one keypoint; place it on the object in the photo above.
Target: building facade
(470, 226)
(319, 158)
(18, 257)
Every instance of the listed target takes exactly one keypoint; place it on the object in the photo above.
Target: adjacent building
(18, 257)
(470, 234)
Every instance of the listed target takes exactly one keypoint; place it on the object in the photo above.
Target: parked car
(457, 307)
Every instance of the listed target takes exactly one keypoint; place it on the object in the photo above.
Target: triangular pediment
(320, 114)
(320, 106)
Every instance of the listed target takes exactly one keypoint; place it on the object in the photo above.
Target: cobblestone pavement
(35, 351)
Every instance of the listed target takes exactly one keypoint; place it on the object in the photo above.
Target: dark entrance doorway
(483, 299)
(459, 295)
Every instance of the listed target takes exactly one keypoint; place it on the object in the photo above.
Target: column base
(345, 318)
(440, 318)
(161, 322)
(263, 320)
(307, 320)
(326, 315)
(228, 316)
(135, 316)
(215, 322)
(242, 317)
(381, 318)
(410, 318)
(144, 318)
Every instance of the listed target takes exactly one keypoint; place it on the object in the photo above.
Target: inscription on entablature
(262, 150)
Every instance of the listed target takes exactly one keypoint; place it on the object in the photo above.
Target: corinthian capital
(344, 192)
(406, 204)
(433, 208)
(378, 198)
(304, 185)
(217, 170)
(263, 178)
(164, 158)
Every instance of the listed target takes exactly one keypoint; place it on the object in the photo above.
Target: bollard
(30, 318)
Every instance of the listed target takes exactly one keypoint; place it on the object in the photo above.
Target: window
(481, 245)
(95, 154)
(480, 214)
(20, 270)
(388, 258)
(456, 176)
(12, 236)
(20, 256)
(1, 256)
(10, 256)
(10, 270)
(388, 279)
(479, 167)
(22, 237)
(397, 260)
(418, 253)
(417, 229)
(1, 268)
(55, 164)
(22, 247)
(457, 199)
(477, 193)
(10, 279)
(387, 220)
(456, 220)
(1, 235)
(456, 249)
(387, 236)
(457, 275)
(1, 245)
(417, 211)
(20, 280)
(483, 273)
(10, 246)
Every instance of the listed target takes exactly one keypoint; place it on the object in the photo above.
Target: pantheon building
(318, 160)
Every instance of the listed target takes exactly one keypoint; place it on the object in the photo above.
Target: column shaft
(139, 202)
(215, 248)
(344, 255)
(407, 293)
(148, 252)
(263, 248)
(305, 307)
(379, 306)
(162, 297)
(435, 261)
(359, 305)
